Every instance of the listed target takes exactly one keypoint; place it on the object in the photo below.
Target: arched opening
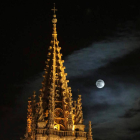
(77, 129)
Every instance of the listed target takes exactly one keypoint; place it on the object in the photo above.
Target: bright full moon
(100, 83)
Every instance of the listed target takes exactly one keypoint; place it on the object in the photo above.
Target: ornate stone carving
(54, 116)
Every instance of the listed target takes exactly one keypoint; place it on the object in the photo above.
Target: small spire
(89, 132)
(34, 94)
(41, 110)
(75, 115)
(70, 120)
(79, 112)
(34, 102)
(79, 99)
(40, 98)
(29, 116)
(89, 126)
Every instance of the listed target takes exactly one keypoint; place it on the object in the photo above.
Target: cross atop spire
(54, 9)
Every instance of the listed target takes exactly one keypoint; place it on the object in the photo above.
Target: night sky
(98, 41)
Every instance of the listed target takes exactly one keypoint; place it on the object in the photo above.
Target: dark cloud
(123, 128)
(94, 109)
(130, 113)
(98, 55)
(124, 70)
(134, 130)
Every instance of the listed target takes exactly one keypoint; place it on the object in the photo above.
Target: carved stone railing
(61, 133)
(41, 131)
(80, 134)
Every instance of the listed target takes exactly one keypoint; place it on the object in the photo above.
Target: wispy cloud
(122, 128)
(98, 55)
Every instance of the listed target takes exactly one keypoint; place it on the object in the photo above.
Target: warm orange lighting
(55, 108)
(73, 128)
(56, 127)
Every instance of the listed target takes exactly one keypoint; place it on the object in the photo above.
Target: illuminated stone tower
(55, 116)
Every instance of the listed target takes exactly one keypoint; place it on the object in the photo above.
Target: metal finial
(34, 93)
(78, 92)
(29, 99)
(40, 97)
(54, 9)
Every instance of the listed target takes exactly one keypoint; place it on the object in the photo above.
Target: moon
(100, 83)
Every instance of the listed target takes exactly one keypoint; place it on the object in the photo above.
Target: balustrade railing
(61, 133)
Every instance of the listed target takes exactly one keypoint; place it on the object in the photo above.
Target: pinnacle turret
(29, 117)
(89, 135)
(34, 102)
(79, 112)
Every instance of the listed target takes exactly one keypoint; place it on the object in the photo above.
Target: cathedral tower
(55, 116)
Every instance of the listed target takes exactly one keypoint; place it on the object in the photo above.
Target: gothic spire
(55, 110)
(55, 91)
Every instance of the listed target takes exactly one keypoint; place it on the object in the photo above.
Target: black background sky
(98, 40)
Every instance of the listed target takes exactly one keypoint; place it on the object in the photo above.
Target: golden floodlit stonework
(55, 116)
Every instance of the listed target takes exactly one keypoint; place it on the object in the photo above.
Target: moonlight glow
(100, 83)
